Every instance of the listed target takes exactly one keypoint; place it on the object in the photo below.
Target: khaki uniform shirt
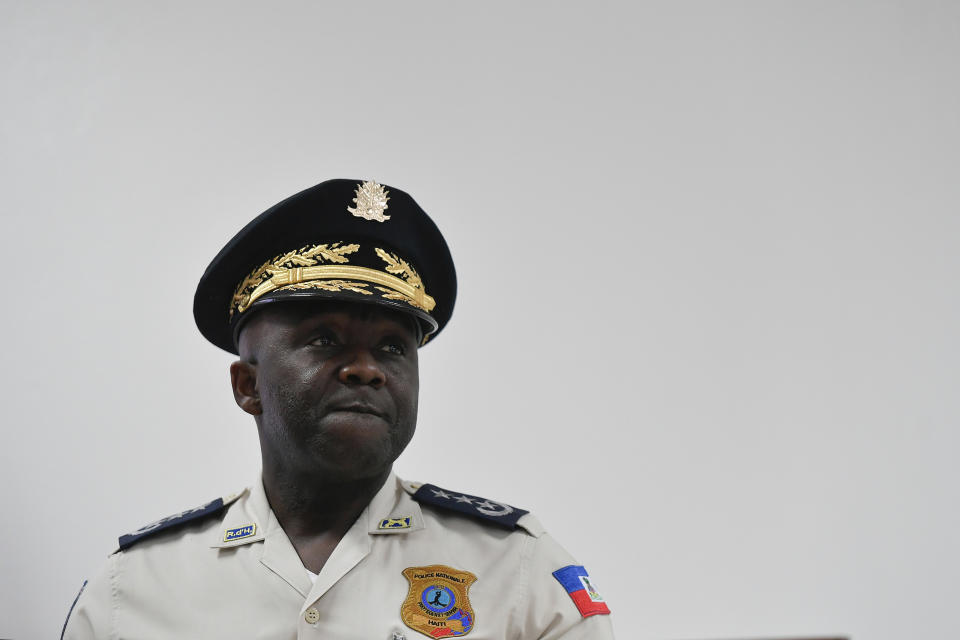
(188, 582)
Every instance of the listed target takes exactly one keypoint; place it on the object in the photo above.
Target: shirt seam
(115, 597)
(526, 553)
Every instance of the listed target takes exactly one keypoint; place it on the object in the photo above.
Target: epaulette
(164, 524)
(497, 513)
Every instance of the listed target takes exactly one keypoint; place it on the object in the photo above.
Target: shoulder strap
(497, 513)
(178, 519)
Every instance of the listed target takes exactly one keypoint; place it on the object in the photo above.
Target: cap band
(300, 269)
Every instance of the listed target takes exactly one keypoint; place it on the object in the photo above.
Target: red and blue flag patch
(576, 581)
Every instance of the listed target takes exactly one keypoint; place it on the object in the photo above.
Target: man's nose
(362, 368)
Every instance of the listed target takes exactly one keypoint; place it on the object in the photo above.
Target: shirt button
(312, 615)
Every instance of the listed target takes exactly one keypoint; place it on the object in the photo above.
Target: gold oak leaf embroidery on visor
(399, 266)
(326, 267)
(304, 257)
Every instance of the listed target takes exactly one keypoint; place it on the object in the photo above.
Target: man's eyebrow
(317, 319)
(401, 334)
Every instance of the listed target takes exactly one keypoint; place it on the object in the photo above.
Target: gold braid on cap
(326, 267)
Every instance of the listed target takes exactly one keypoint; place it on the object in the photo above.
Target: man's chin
(343, 471)
(362, 455)
(362, 436)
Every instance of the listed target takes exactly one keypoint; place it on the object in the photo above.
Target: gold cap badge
(371, 201)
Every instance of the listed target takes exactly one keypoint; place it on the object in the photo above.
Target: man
(326, 298)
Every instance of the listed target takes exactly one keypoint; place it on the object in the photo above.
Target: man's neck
(315, 512)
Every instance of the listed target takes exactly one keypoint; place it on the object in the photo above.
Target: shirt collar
(245, 521)
(392, 511)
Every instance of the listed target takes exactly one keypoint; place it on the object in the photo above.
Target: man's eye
(322, 341)
(394, 348)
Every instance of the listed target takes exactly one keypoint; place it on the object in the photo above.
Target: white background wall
(708, 256)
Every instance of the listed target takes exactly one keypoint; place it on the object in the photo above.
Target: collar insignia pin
(239, 533)
(396, 523)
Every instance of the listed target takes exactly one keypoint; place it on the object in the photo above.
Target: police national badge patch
(437, 603)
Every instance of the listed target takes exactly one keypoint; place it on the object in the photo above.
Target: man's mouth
(358, 407)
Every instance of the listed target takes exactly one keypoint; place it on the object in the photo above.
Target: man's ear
(243, 378)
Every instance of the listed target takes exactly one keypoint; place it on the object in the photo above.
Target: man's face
(335, 384)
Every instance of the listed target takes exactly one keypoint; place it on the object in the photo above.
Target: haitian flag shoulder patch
(576, 581)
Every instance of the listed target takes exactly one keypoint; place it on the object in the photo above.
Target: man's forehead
(352, 312)
(309, 313)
